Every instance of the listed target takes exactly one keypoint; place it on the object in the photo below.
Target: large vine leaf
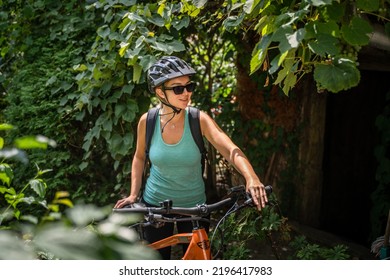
(340, 75)
(357, 31)
(292, 40)
(324, 44)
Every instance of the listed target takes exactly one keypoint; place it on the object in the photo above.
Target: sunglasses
(180, 89)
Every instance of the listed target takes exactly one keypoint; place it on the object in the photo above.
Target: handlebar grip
(268, 189)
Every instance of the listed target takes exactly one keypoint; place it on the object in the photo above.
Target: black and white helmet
(167, 68)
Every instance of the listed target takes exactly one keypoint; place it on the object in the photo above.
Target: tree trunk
(310, 153)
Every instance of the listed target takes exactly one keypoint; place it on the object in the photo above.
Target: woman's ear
(160, 93)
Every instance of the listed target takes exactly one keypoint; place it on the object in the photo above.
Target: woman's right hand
(126, 201)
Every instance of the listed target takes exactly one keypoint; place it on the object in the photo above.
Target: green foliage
(239, 230)
(112, 81)
(39, 81)
(21, 203)
(304, 250)
(312, 35)
(84, 232)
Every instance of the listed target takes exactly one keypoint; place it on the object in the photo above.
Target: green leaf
(368, 5)
(128, 3)
(137, 71)
(287, 73)
(82, 214)
(120, 144)
(51, 81)
(30, 218)
(107, 125)
(106, 87)
(259, 53)
(5, 126)
(83, 165)
(128, 89)
(14, 153)
(64, 201)
(199, 3)
(169, 47)
(131, 109)
(295, 38)
(179, 23)
(275, 64)
(249, 5)
(334, 12)
(357, 32)
(289, 82)
(340, 75)
(119, 109)
(34, 142)
(319, 3)
(233, 21)
(103, 31)
(6, 174)
(39, 186)
(1, 142)
(123, 48)
(330, 28)
(325, 44)
(288, 38)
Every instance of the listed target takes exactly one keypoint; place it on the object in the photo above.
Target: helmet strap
(176, 110)
(162, 129)
(165, 101)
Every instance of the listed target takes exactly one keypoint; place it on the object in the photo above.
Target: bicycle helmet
(167, 68)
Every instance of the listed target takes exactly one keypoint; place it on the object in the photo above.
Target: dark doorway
(349, 161)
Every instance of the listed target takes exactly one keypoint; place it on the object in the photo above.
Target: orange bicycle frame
(198, 248)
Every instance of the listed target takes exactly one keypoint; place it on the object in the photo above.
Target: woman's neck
(170, 117)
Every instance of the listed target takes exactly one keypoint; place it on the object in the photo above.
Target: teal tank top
(176, 171)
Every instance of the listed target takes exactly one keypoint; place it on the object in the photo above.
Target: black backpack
(194, 121)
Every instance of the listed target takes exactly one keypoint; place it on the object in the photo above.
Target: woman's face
(178, 100)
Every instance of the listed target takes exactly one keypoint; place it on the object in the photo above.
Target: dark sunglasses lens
(190, 87)
(178, 89)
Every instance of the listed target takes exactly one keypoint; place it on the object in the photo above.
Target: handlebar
(199, 210)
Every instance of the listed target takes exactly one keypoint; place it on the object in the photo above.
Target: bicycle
(199, 244)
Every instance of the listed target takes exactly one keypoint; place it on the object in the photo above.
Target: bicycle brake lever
(153, 220)
(249, 200)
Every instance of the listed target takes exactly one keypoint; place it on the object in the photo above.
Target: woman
(176, 165)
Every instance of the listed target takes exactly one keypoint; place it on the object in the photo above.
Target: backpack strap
(150, 124)
(194, 120)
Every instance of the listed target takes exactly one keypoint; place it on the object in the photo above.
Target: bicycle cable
(232, 210)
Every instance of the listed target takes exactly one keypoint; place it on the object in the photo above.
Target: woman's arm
(137, 167)
(231, 152)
